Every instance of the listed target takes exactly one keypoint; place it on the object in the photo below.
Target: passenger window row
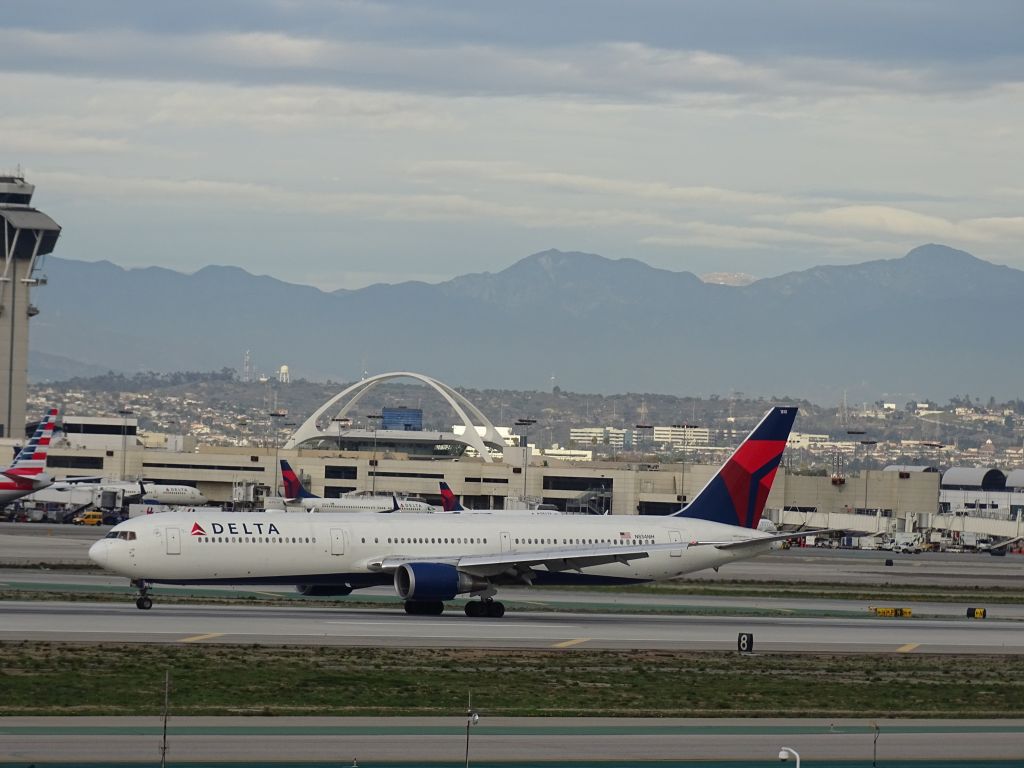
(254, 540)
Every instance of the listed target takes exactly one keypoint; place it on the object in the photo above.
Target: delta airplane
(294, 490)
(432, 559)
(26, 474)
(148, 493)
(450, 503)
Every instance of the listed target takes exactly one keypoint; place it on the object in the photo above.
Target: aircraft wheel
(474, 609)
(494, 609)
(144, 603)
(434, 608)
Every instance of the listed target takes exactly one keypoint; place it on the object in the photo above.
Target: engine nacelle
(434, 581)
(323, 590)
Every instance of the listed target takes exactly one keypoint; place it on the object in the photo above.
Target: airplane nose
(99, 552)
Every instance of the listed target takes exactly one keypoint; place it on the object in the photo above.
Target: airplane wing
(742, 543)
(521, 564)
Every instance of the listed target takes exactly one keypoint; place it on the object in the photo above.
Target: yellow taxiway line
(907, 648)
(570, 643)
(198, 638)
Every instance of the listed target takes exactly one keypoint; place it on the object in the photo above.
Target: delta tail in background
(27, 474)
(431, 559)
(295, 492)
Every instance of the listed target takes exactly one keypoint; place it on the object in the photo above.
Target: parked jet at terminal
(431, 559)
(27, 474)
(296, 492)
(145, 493)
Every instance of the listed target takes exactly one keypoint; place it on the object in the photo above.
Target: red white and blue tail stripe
(736, 495)
(31, 459)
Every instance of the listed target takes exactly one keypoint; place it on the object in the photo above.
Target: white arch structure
(463, 408)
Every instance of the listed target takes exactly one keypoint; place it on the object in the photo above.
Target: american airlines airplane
(294, 490)
(26, 475)
(431, 559)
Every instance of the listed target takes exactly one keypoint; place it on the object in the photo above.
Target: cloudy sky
(345, 143)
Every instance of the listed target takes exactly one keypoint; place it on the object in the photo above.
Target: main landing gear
(488, 608)
(144, 601)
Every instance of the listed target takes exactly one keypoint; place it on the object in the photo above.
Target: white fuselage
(273, 548)
(364, 504)
(156, 493)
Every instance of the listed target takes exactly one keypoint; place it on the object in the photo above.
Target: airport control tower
(28, 235)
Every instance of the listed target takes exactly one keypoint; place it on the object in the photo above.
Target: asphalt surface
(514, 741)
(787, 624)
(122, 622)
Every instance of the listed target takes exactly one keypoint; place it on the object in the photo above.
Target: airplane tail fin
(736, 495)
(293, 488)
(31, 459)
(449, 502)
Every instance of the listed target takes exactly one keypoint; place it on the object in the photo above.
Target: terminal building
(488, 469)
(484, 465)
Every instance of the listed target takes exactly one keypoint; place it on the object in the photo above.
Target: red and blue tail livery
(293, 488)
(449, 501)
(738, 493)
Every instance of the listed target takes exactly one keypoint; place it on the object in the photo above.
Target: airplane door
(173, 541)
(506, 541)
(675, 536)
(337, 541)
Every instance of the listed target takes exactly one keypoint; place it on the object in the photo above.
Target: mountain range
(933, 323)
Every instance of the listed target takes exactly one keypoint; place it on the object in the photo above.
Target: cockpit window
(123, 535)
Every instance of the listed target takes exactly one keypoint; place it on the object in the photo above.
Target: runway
(122, 622)
(511, 742)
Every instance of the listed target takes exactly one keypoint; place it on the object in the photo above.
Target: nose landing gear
(144, 601)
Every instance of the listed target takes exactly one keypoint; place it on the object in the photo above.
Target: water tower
(28, 234)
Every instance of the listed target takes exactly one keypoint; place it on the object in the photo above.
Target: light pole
(124, 413)
(785, 752)
(686, 433)
(472, 718)
(524, 423)
(275, 430)
(375, 417)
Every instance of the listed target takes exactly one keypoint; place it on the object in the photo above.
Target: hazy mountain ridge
(923, 324)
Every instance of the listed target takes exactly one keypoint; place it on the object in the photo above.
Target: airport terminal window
(555, 483)
(339, 472)
(75, 462)
(218, 467)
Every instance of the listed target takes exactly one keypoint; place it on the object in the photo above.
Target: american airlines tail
(31, 460)
(449, 501)
(736, 495)
(293, 488)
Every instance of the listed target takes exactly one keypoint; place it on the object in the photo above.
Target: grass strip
(110, 679)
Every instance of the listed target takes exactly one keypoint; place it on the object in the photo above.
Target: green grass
(75, 679)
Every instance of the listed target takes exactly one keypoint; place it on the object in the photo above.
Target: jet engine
(434, 581)
(323, 590)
